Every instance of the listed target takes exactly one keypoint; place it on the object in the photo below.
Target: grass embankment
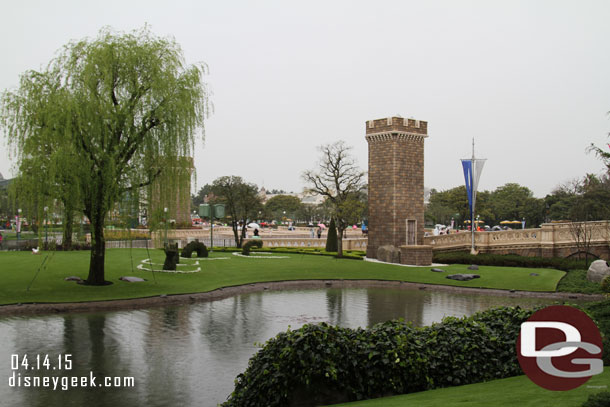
(575, 281)
(18, 269)
(514, 391)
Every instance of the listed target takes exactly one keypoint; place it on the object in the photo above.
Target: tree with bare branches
(340, 180)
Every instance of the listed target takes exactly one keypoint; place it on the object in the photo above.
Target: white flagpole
(472, 226)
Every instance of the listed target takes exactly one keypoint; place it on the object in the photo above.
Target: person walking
(319, 232)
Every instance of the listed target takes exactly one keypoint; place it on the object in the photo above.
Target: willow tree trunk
(98, 252)
(68, 226)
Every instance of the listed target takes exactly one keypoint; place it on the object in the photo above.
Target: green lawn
(17, 269)
(514, 391)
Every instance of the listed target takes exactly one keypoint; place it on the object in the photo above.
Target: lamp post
(46, 231)
(211, 228)
(18, 227)
(165, 222)
(212, 211)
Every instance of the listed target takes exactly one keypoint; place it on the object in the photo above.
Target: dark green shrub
(598, 400)
(347, 254)
(322, 364)
(171, 256)
(508, 260)
(250, 244)
(194, 246)
(331, 238)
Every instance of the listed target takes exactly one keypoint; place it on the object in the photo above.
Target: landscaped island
(44, 274)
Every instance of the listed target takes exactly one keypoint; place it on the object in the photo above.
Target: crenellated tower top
(380, 129)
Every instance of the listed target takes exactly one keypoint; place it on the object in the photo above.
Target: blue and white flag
(472, 174)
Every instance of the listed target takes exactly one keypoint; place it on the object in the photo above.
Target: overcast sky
(529, 80)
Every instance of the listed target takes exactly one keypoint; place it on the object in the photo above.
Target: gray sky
(529, 80)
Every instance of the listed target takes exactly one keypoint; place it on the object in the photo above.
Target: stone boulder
(130, 279)
(463, 277)
(473, 267)
(598, 271)
(389, 254)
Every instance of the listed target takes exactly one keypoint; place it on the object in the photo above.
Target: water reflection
(189, 355)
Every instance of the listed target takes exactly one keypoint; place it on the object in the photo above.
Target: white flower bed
(238, 254)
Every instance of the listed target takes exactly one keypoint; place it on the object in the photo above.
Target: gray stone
(473, 267)
(437, 270)
(463, 277)
(131, 279)
(598, 271)
(389, 254)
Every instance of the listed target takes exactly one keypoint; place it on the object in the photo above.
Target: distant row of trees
(276, 208)
(337, 178)
(582, 199)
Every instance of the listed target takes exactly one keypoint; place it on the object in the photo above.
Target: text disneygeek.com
(63, 362)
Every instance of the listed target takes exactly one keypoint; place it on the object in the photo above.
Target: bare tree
(582, 233)
(340, 180)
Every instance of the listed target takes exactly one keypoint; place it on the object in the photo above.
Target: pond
(190, 355)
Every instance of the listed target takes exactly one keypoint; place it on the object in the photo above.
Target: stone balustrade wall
(551, 240)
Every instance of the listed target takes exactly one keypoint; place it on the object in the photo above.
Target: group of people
(318, 232)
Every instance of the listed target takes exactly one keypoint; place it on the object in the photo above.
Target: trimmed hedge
(347, 254)
(601, 399)
(249, 245)
(194, 246)
(508, 260)
(323, 364)
(171, 256)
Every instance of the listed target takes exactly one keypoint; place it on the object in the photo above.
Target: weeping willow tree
(105, 118)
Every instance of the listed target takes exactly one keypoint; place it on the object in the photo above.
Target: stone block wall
(419, 255)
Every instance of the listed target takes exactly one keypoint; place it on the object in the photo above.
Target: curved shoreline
(225, 292)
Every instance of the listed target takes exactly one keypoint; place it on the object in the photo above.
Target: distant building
(306, 198)
(312, 199)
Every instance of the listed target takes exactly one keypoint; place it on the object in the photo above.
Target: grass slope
(514, 391)
(17, 269)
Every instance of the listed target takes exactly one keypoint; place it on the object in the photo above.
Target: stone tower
(396, 188)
